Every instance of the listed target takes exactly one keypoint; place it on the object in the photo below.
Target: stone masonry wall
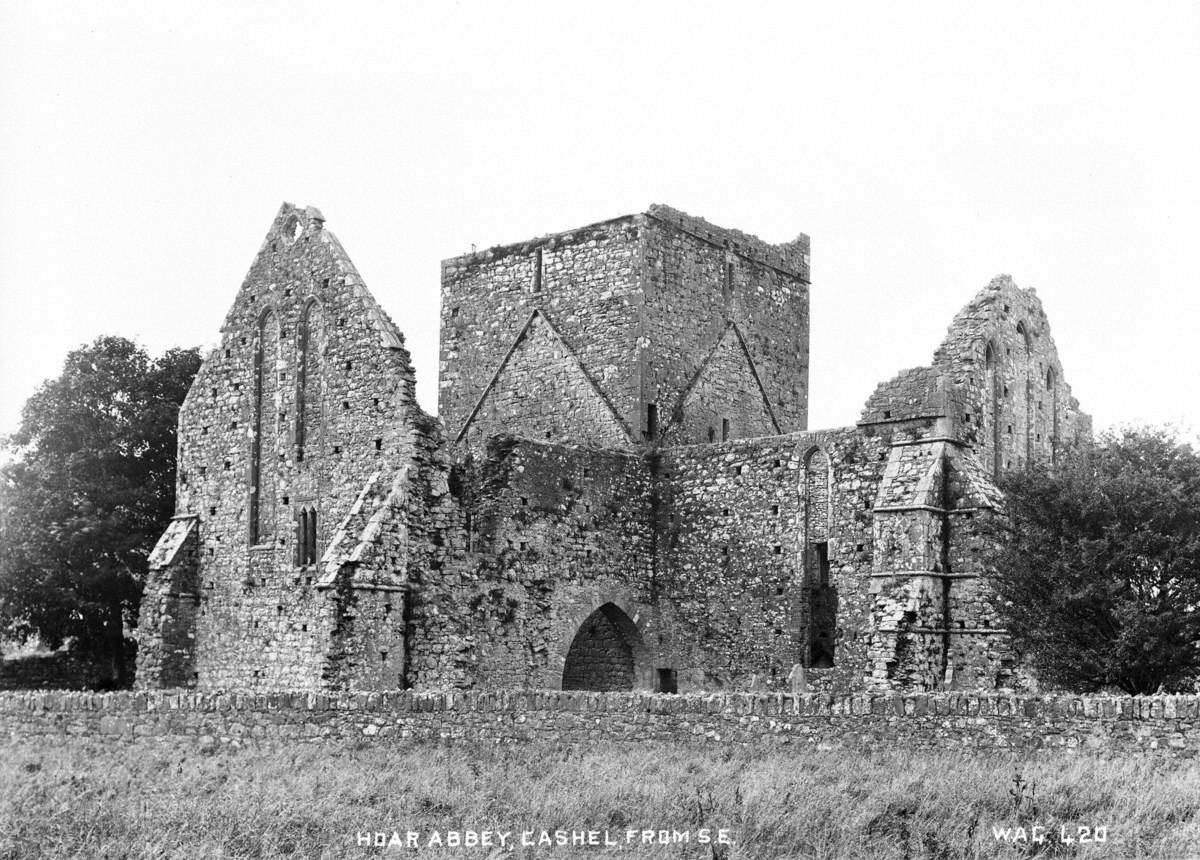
(699, 278)
(309, 394)
(631, 312)
(1166, 726)
(599, 658)
(997, 382)
(549, 533)
(732, 555)
(543, 390)
(585, 282)
(724, 401)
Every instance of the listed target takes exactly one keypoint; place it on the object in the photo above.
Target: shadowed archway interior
(602, 654)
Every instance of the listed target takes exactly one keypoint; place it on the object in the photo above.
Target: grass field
(84, 798)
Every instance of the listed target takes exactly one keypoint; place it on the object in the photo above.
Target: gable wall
(261, 623)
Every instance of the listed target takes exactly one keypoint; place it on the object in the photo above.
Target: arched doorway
(605, 653)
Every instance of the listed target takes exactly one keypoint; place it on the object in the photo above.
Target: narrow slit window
(651, 421)
(537, 270)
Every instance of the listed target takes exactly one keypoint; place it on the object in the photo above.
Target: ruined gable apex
(996, 384)
(294, 237)
(541, 384)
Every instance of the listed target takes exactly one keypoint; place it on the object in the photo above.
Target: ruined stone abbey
(620, 490)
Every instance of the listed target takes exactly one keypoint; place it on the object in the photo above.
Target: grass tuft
(84, 798)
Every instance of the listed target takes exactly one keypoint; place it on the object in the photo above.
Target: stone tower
(651, 328)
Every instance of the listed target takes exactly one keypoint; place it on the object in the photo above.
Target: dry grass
(84, 798)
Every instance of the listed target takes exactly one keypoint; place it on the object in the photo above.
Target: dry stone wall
(1167, 726)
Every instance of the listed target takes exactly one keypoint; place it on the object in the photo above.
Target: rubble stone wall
(585, 282)
(1166, 726)
(550, 533)
(309, 393)
(699, 279)
(733, 553)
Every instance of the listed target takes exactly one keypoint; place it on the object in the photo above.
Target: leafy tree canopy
(1098, 567)
(89, 488)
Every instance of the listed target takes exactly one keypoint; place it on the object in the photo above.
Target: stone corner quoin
(620, 492)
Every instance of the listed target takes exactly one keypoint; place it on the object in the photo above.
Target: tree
(1098, 565)
(90, 486)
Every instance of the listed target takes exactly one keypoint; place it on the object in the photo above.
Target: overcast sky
(925, 147)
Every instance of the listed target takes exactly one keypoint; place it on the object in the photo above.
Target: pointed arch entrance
(606, 654)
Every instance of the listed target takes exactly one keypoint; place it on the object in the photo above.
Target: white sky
(925, 147)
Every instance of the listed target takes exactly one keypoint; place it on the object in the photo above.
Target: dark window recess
(727, 281)
(306, 536)
(537, 270)
(712, 435)
(667, 681)
(822, 597)
(724, 429)
(651, 421)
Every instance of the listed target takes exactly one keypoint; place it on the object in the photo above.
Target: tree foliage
(1098, 566)
(89, 488)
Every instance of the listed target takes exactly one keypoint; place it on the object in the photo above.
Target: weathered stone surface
(1157, 726)
(620, 491)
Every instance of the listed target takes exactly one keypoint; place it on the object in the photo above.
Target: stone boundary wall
(1161, 725)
